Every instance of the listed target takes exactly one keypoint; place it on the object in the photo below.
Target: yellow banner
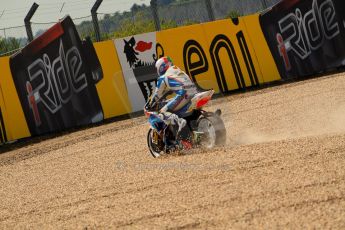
(13, 122)
(221, 54)
(111, 89)
(263, 54)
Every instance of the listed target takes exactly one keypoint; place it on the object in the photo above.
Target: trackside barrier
(306, 37)
(58, 81)
(225, 55)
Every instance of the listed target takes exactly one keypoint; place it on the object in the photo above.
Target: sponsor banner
(263, 54)
(232, 55)
(306, 37)
(58, 81)
(221, 54)
(55, 77)
(111, 89)
(13, 125)
(189, 49)
(137, 55)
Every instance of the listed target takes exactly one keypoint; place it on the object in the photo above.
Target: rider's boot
(180, 122)
(171, 146)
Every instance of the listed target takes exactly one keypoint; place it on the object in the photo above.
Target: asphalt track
(283, 167)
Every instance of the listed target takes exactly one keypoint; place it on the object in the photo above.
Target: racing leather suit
(174, 81)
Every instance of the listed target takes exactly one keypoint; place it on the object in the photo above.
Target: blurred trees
(9, 44)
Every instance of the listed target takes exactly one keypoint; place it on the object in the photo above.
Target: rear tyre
(155, 149)
(214, 131)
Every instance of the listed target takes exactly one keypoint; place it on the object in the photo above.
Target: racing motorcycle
(203, 129)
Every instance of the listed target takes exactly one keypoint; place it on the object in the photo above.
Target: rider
(172, 80)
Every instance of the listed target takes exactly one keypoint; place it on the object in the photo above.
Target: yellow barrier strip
(13, 115)
(264, 56)
(112, 88)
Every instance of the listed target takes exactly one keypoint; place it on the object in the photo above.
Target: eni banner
(306, 37)
(221, 54)
(224, 55)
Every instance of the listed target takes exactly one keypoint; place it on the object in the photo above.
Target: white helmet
(163, 64)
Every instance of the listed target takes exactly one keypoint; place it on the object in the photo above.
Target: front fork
(155, 137)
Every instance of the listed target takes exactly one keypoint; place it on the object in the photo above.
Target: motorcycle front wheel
(154, 144)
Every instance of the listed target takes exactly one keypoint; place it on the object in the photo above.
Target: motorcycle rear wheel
(214, 132)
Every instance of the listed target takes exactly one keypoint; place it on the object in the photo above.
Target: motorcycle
(203, 129)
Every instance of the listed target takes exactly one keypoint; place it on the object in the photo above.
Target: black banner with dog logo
(55, 77)
(306, 37)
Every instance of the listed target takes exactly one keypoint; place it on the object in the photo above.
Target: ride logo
(305, 36)
(55, 77)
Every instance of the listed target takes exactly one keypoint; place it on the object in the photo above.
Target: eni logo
(302, 34)
(219, 43)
